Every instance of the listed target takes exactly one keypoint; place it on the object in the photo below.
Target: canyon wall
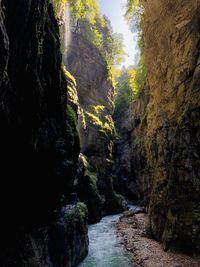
(163, 131)
(130, 155)
(96, 128)
(38, 143)
(172, 47)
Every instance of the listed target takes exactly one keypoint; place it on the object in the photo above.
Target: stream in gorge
(105, 249)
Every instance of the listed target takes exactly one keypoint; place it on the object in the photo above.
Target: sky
(114, 10)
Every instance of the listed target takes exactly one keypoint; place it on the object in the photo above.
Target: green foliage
(87, 21)
(135, 18)
(94, 119)
(127, 90)
(84, 10)
(134, 13)
(82, 118)
(58, 5)
(82, 208)
(131, 81)
(78, 212)
(104, 123)
(69, 76)
(71, 118)
(97, 109)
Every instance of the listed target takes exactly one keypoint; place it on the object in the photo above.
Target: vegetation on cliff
(91, 59)
(127, 90)
(130, 81)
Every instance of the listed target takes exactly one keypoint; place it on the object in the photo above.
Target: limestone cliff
(96, 128)
(172, 47)
(38, 143)
(130, 155)
(164, 135)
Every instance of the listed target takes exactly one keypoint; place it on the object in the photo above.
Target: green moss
(79, 212)
(71, 117)
(83, 119)
(69, 76)
(115, 203)
(74, 146)
(94, 119)
(144, 118)
(92, 181)
(70, 217)
(83, 211)
(106, 125)
(88, 191)
(97, 109)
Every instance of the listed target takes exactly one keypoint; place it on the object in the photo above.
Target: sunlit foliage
(84, 10)
(135, 17)
(103, 123)
(127, 90)
(131, 80)
(58, 5)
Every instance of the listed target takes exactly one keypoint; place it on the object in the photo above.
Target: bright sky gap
(115, 10)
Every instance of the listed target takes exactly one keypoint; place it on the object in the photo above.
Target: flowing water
(105, 249)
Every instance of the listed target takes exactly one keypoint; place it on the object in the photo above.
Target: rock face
(38, 143)
(96, 128)
(87, 189)
(172, 47)
(169, 149)
(130, 155)
(63, 244)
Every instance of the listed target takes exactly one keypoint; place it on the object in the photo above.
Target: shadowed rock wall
(37, 141)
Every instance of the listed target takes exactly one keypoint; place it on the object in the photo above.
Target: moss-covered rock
(88, 191)
(115, 203)
(95, 124)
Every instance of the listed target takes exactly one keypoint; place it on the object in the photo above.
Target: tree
(135, 18)
(134, 10)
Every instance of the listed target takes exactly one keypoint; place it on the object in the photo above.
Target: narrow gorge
(99, 158)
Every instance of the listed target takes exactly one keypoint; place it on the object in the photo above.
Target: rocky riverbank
(146, 251)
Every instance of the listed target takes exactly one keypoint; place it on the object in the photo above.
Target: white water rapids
(105, 249)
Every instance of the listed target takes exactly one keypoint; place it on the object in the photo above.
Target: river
(105, 249)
